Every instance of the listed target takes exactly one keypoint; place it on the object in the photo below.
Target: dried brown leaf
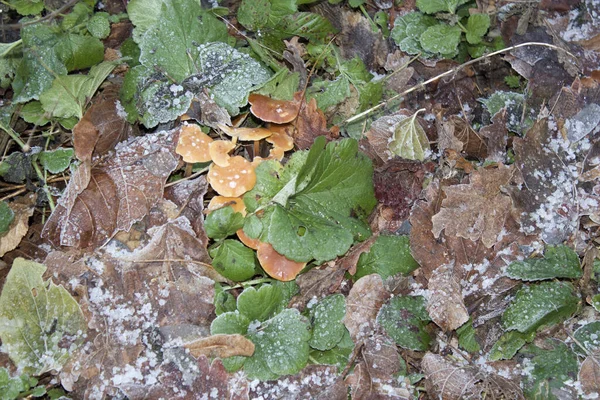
(445, 304)
(318, 283)
(221, 346)
(293, 54)
(362, 306)
(357, 38)
(449, 381)
(496, 136)
(476, 210)
(207, 112)
(311, 123)
(188, 195)
(22, 208)
(589, 374)
(381, 132)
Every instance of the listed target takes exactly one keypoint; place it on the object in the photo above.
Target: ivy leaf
(281, 346)
(441, 39)
(558, 262)
(540, 304)
(328, 328)
(261, 304)
(477, 26)
(234, 261)
(56, 161)
(435, 6)
(509, 343)
(404, 319)
(389, 255)
(41, 325)
(223, 222)
(409, 140)
(314, 218)
(7, 216)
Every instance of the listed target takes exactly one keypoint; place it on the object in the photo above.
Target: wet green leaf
(588, 336)
(230, 322)
(27, 7)
(336, 356)
(558, 262)
(389, 255)
(466, 337)
(326, 317)
(99, 26)
(477, 26)
(261, 304)
(234, 261)
(223, 222)
(435, 6)
(56, 161)
(404, 318)
(509, 343)
(441, 39)
(224, 301)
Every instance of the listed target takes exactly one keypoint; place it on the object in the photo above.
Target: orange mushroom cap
(247, 240)
(246, 133)
(281, 142)
(220, 201)
(272, 110)
(219, 152)
(234, 180)
(193, 144)
(277, 266)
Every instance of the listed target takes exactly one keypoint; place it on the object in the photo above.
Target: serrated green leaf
(330, 93)
(441, 39)
(281, 346)
(99, 26)
(409, 139)
(12, 387)
(307, 25)
(234, 261)
(41, 325)
(34, 113)
(27, 7)
(338, 355)
(230, 323)
(79, 14)
(281, 86)
(389, 255)
(261, 304)
(223, 301)
(549, 369)
(254, 14)
(558, 262)
(466, 337)
(588, 336)
(509, 343)
(56, 161)
(404, 318)
(435, 6)
(540, 304)
(7, 216)
(223, 222)
(317, 220)
(143, 14)
(326, 317)
(477, 26)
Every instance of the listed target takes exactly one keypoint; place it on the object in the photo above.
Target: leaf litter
(213, 225)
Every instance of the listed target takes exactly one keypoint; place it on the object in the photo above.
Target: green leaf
(234, 261)
(549, 369)
(223, 222)
(7, 216)
(261, 304)
(80, 52)
(434, 6)
(99, 26)
(254, 14)
(404, 319)
(12, 387)
(56, 161)
(512, 101)
(230, 323)
(16, 168)
(441, 39)
(41, 325)
(330, 93)
(509, 343)
(34, 113)
(389, 255)
(317, 220)
(409, 140)
(27, 7)
(596, 302)
(326, 317)
(477, 26)
(79, 15)
(338, 355)
(282, 85)
(588, 336)
(310, 26)
(558, 262)
(281, 346)
(224, 301)
(143, 14)
(540, 304)
(466, 337)
(11, 57)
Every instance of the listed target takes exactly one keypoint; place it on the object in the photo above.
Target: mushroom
(272, 110)
(280, 140)
(221, 201)
(219, 152)
(193, 144)
(233, 180)
(246, 133)
(247, 240)
(276, 265)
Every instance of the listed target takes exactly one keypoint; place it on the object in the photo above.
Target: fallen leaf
(445, 304)
(207, 112)
(476, 210)
(589, 374)
(317, 283)
(449, 380)
(311, 123)
(221, 346)
(22, 208)
(456, 133)
(362, 306)
(381, 132)
(495, 136)
(358, 38)
(293, 54)
(188, 195)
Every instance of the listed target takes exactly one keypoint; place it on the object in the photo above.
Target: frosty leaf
(477, 26)
(434, 6)
(509, 343)
(558, 262)
(467, 339)
(326, 317)
(389, 255)
(540, 304)
(14, 221)
(144, 14)
(441, 39)
(404, 318)
(549, 369)
(476, 210)
(409, 140)
(234, 261)
(230, 323)
(513, 102)
(281, 346)
(588, 336)
(362, 305)
(261, 304)
(312, 218)
(336, 356)
(584, 122)
(449, 380)
(99, 25)
(223, 222)
(408, 29)
(6, 217)
(56, 161)
(445, 304)
(41, 325)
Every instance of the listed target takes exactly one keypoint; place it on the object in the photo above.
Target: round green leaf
(389, 255)
(441, 39)
(261, 304)
(326, 317)
(404, 319)
(234, 261)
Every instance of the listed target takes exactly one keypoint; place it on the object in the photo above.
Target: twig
(450, 72)
(52, 15)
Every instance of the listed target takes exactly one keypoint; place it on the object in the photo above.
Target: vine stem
(450, 72)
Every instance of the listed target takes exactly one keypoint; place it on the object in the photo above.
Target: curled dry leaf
(362, 306)
(476, 210)
(456, 133)
(445, 304)
(233, 180)
(449, 381)
(237, 203)
(22, 208)
(221, 346)
(495, 136)
(193, 144)
(276, 265)
(317, 283)
(246, 133)
(272, 110)
(218, 151)
(381, 132)
(589, 374)
(311, 124)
